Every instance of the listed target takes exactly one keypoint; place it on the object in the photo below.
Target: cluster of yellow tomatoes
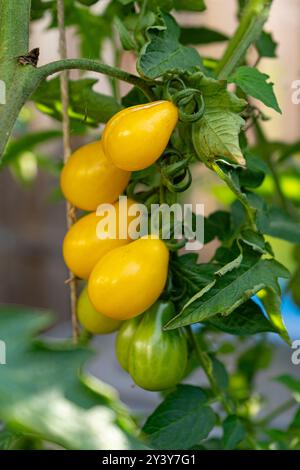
(124, 277)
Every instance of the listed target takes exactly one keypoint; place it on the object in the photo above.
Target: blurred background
(32, 214)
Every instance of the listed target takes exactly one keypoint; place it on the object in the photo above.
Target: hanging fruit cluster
(125, 277)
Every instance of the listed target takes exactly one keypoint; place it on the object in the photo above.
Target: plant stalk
(276, 412)
(18, 81)
(23, 85)
(240, 196)
(95, 66)
(14, 27)
(250, 27)
(204, 362)
(268, 156)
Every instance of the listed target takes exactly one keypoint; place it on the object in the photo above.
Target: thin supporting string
(70, 209)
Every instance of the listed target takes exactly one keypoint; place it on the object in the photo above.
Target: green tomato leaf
(294, 426)
(291, 383)
(217, 225)
(220, 373)
(288, 150)
(134, 96)
(254, 359)
(253, 175)
(181, 421)
(164, 53)
(43, 392)
(247, 319)
(91, 28)
(88, 2)
(164, 5)
(216, 134)
(272, 302)
(233, 432)
(86, 105)
(39, 8)
(229, 291)
(194, 276)
(255, 83)
(201, 35)
(266, 46)
(126, 39)
(126, 2)
(277, 223)
(180, 5)
(189, 5)
(255, 240)
(215, 93)
(26, 143)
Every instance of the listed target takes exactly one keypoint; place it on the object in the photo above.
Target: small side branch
(95, 66)
(255, 15)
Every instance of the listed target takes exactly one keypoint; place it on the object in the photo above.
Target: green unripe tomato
(91, 320)
(124, 340)
(155, 359)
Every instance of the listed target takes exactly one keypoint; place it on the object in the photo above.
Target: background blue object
(290, 313)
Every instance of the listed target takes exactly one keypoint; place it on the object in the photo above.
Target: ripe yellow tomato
(89, 178)
(128, 280)
(136, 137)
(82, 247)
(91, 320)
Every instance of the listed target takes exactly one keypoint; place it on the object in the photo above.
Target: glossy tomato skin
(124, 340)
(82, 248)
(129, 279)
(155, 359)
(91, 320)
(136, 137)
(89, 178)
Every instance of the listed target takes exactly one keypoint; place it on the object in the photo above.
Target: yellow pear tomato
(136, 137)
(129, 279)
(83, 247)
(89, 178)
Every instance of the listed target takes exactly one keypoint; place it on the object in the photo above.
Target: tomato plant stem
(95, 66)
(240, 196)
(276, 412)
(252, 21)
(14, 27)
(19, 81)
(268, 156)
(24, 82)
(206, 364)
